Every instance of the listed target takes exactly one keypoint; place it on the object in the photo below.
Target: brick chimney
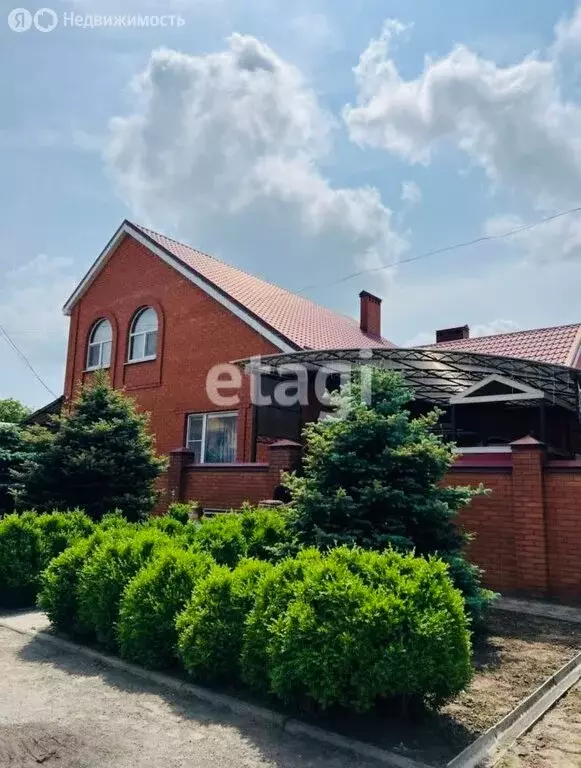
(453, 334)
(370, 313)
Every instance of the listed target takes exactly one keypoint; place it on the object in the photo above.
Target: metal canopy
(436, 375)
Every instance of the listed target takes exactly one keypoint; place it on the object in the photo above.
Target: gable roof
(290, 321)
(558, 345)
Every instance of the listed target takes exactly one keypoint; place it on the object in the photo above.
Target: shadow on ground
(433, 738)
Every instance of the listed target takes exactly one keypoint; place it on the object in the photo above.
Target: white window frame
(100, 345)
(205, 417)
(135, 334)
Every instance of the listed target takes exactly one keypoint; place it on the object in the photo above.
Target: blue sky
(249, 133)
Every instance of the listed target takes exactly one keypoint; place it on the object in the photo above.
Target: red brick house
(160, 316)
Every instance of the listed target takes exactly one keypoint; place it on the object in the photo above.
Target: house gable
(127, 229)
(196, 333)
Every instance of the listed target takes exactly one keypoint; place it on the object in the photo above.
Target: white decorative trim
(95, 268)
(127, 229)
(484, 449)
(97, 368)
(524, 392)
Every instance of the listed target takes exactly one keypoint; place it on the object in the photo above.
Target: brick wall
(563, 525)
(528, 529)
(493, 546)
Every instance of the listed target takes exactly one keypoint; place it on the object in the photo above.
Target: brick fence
(228, 486)
(527, 529)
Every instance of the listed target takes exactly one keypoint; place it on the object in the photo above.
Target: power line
(445, 249)
(26, 361)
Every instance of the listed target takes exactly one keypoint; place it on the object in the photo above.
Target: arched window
(143, 335)
(100, 343)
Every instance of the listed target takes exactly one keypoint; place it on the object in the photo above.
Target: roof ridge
(350, 319)
(509, 333)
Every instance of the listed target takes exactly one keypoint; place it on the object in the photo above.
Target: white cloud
(513, 122)
(568, 35)
(226, 148)
(559, 239)
(410, 192)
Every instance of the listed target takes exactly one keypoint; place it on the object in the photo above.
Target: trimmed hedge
(275, 593)
(28, 543)
(266, 532)
(353, 627)
(223, 538)
(211, 627)
(58, 596)
(59, 530)
(106, 574)
(152, 600)
(20, 561)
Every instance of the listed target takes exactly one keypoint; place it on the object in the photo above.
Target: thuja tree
(100, 458)
(372, 477)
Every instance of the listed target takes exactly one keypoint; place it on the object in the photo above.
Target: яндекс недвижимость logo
(21, 20)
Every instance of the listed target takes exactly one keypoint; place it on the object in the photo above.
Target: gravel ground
(555, 741)
(61, 710)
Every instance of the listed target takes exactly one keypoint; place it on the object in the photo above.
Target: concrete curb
(502, 736)
(238, 706)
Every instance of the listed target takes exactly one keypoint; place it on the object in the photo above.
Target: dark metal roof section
(436, 375)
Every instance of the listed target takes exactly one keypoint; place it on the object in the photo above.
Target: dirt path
(60, 710)
(555, 741)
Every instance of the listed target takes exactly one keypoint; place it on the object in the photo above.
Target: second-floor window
(143, 335)
(212, 437)
(100, 344)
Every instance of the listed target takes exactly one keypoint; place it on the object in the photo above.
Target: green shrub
(222, 537)
(167, 525)
(115, 520)
(146, 631)
(106, 574)
(58, 596)
(338, 633)
(181, 511)
(272, 599)
(266, 532)
(20, 561)
(59, 530)
(212, 626)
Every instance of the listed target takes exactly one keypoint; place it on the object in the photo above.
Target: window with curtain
(100, 344)
(212, 437)
(143, 335)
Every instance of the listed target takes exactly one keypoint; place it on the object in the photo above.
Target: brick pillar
(178, 460)
(528, 510)
(283, 456)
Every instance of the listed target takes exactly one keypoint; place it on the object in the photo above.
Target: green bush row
(29, 541)
(345, 628)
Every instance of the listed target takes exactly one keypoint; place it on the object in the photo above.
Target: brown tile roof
(299, 320)
(546, 345)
